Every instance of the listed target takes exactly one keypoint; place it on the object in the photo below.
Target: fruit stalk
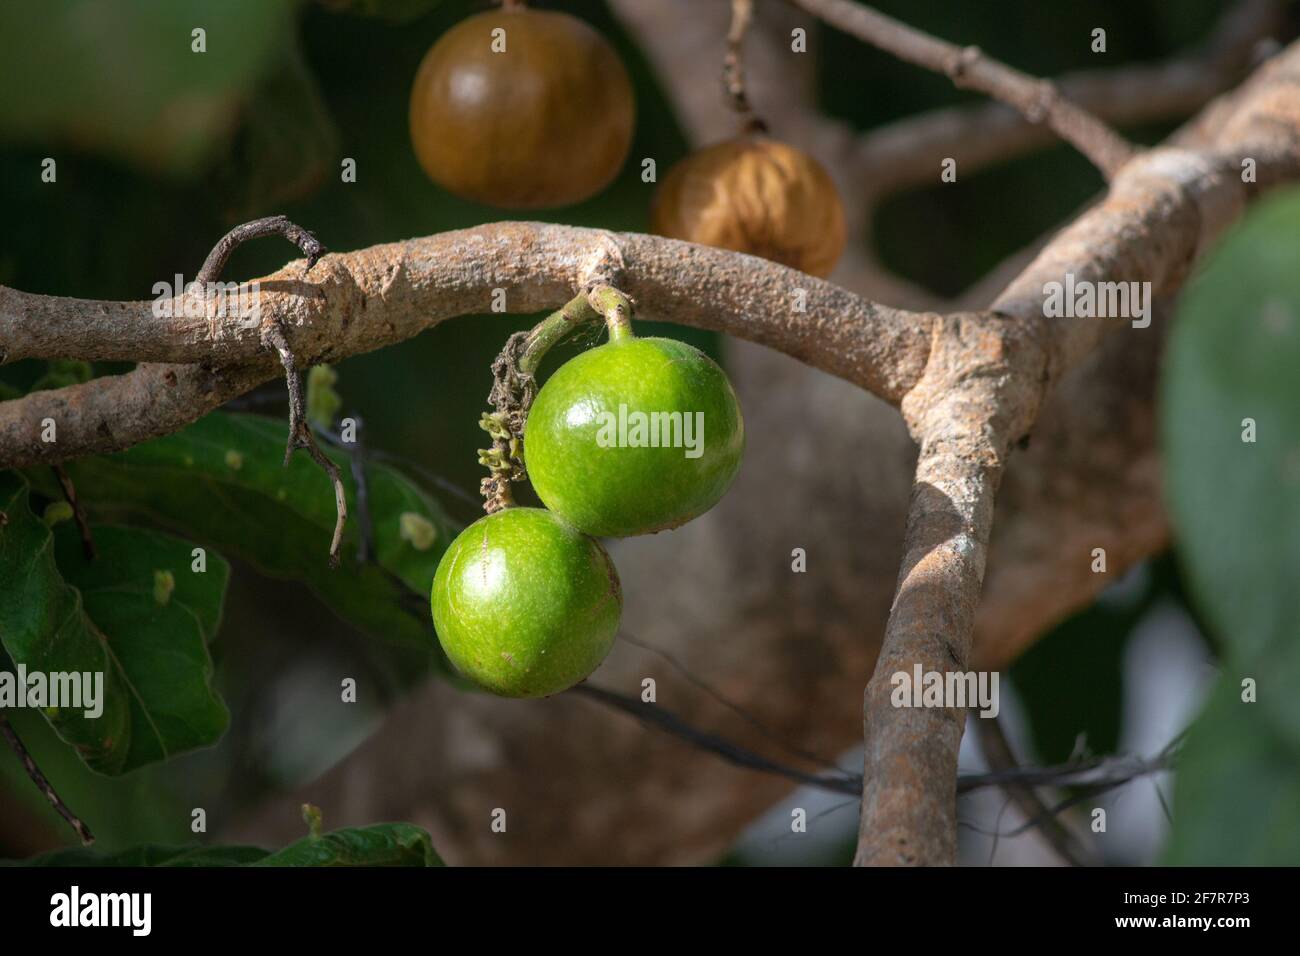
(616, 308)
(514, 385)
(554, 329)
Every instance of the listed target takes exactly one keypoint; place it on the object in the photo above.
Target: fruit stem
(616, 308)
(553, 329)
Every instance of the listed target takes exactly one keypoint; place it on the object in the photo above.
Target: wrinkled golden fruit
(756, 195)
(545, 122)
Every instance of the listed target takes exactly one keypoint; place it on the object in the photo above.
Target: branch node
(604, 265)
(961, 61)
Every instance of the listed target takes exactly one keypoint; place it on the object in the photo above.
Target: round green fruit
(525, 605)
(634, 436)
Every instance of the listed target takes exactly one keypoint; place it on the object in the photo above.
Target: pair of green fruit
(632, 437)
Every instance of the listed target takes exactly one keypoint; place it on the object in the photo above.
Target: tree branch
(979, 395)
(969, 68)
(969, 385)
(375, 297)
(907, 152)
(986, 377)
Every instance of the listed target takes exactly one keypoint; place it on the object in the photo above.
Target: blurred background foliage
(160, 150)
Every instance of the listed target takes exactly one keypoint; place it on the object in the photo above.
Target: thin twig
(970, 68)
(43, 784)
(735, 708)
(999, 756)
(896, 155)
(306, 242)
(733, 64)
(300, 435)
(1094, 775)
(357, 459)
(664, 719)
(78, 512)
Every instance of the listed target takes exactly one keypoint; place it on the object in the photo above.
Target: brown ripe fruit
(546, 121)
(756, 195)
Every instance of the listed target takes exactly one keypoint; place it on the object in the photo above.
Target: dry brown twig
(1037, 100)
(969, 385)
(43, 784)
(733, 64)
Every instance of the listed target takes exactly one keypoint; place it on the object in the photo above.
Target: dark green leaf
(1235, 503)
(1237, 796)
(222, 481)
(148, 855)
(1235, 355)
(61, 613)
(384, 844)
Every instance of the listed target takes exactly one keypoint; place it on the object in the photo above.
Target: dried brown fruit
(757, 195)
(522, 109)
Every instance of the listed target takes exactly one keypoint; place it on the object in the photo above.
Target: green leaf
(120, 77)
(60, 613)
(222, 481)
(1231, 370)
(1237, 789)
(1235, 355)
(384, 844)
(148, 855)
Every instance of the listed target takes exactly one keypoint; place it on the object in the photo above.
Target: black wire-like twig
(78, 512)
(1095, 776)
(735, 708)
(43, 784)
(664, 719)
(999, 756)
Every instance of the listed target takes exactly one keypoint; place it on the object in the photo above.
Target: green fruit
(525, 605)
(591, 437)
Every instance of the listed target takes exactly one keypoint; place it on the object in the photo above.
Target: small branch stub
(307, 243)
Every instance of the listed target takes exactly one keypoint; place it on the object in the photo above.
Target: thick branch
(977, 397)
(985, 380)
(364, 300)
(969, 68)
